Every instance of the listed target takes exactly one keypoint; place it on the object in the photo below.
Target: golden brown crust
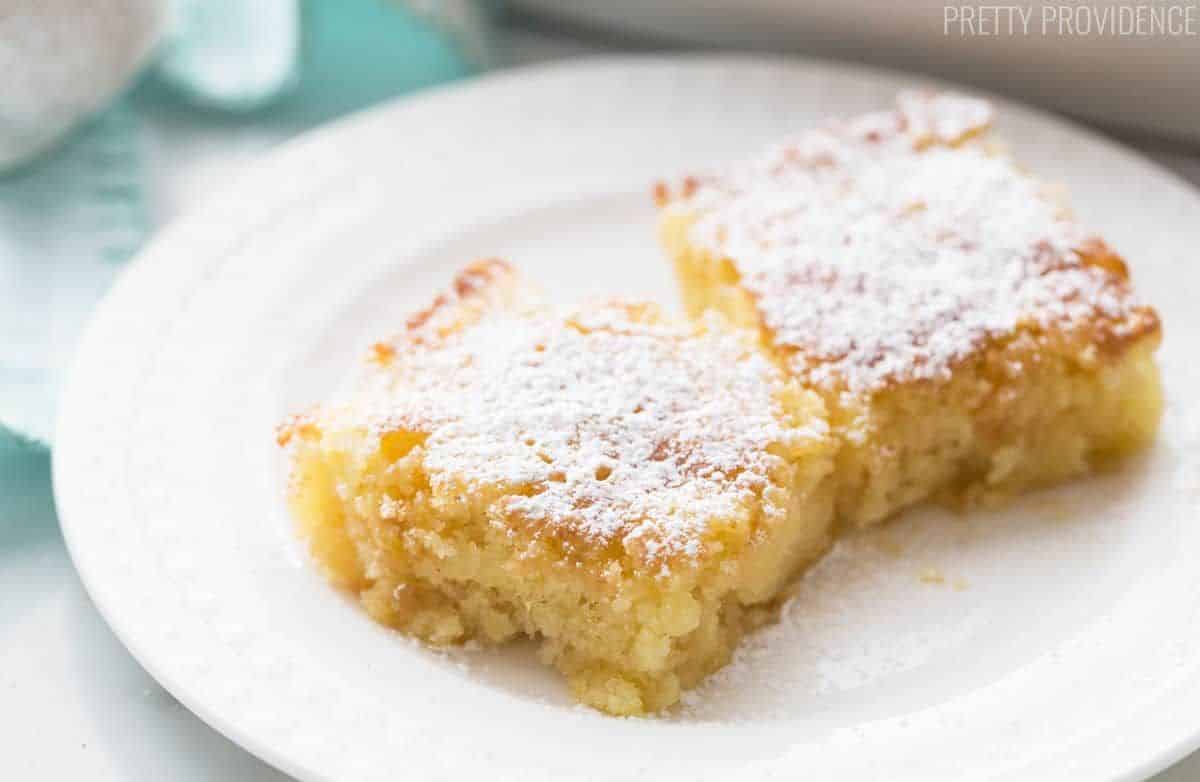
(663, 194)
(479, 281)
(1113, 338)
(296, 425)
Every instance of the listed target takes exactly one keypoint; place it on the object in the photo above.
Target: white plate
(1063, 643)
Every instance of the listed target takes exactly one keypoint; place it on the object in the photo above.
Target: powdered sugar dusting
(609, 425)
(881, 253)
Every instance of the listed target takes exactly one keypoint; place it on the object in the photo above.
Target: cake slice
(628, 491)
(968, 337)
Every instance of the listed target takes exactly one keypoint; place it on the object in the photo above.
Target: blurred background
(116, 116)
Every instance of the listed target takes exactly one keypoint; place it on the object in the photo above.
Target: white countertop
(73, 703)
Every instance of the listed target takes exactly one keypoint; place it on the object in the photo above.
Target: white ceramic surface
(1064, 643)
